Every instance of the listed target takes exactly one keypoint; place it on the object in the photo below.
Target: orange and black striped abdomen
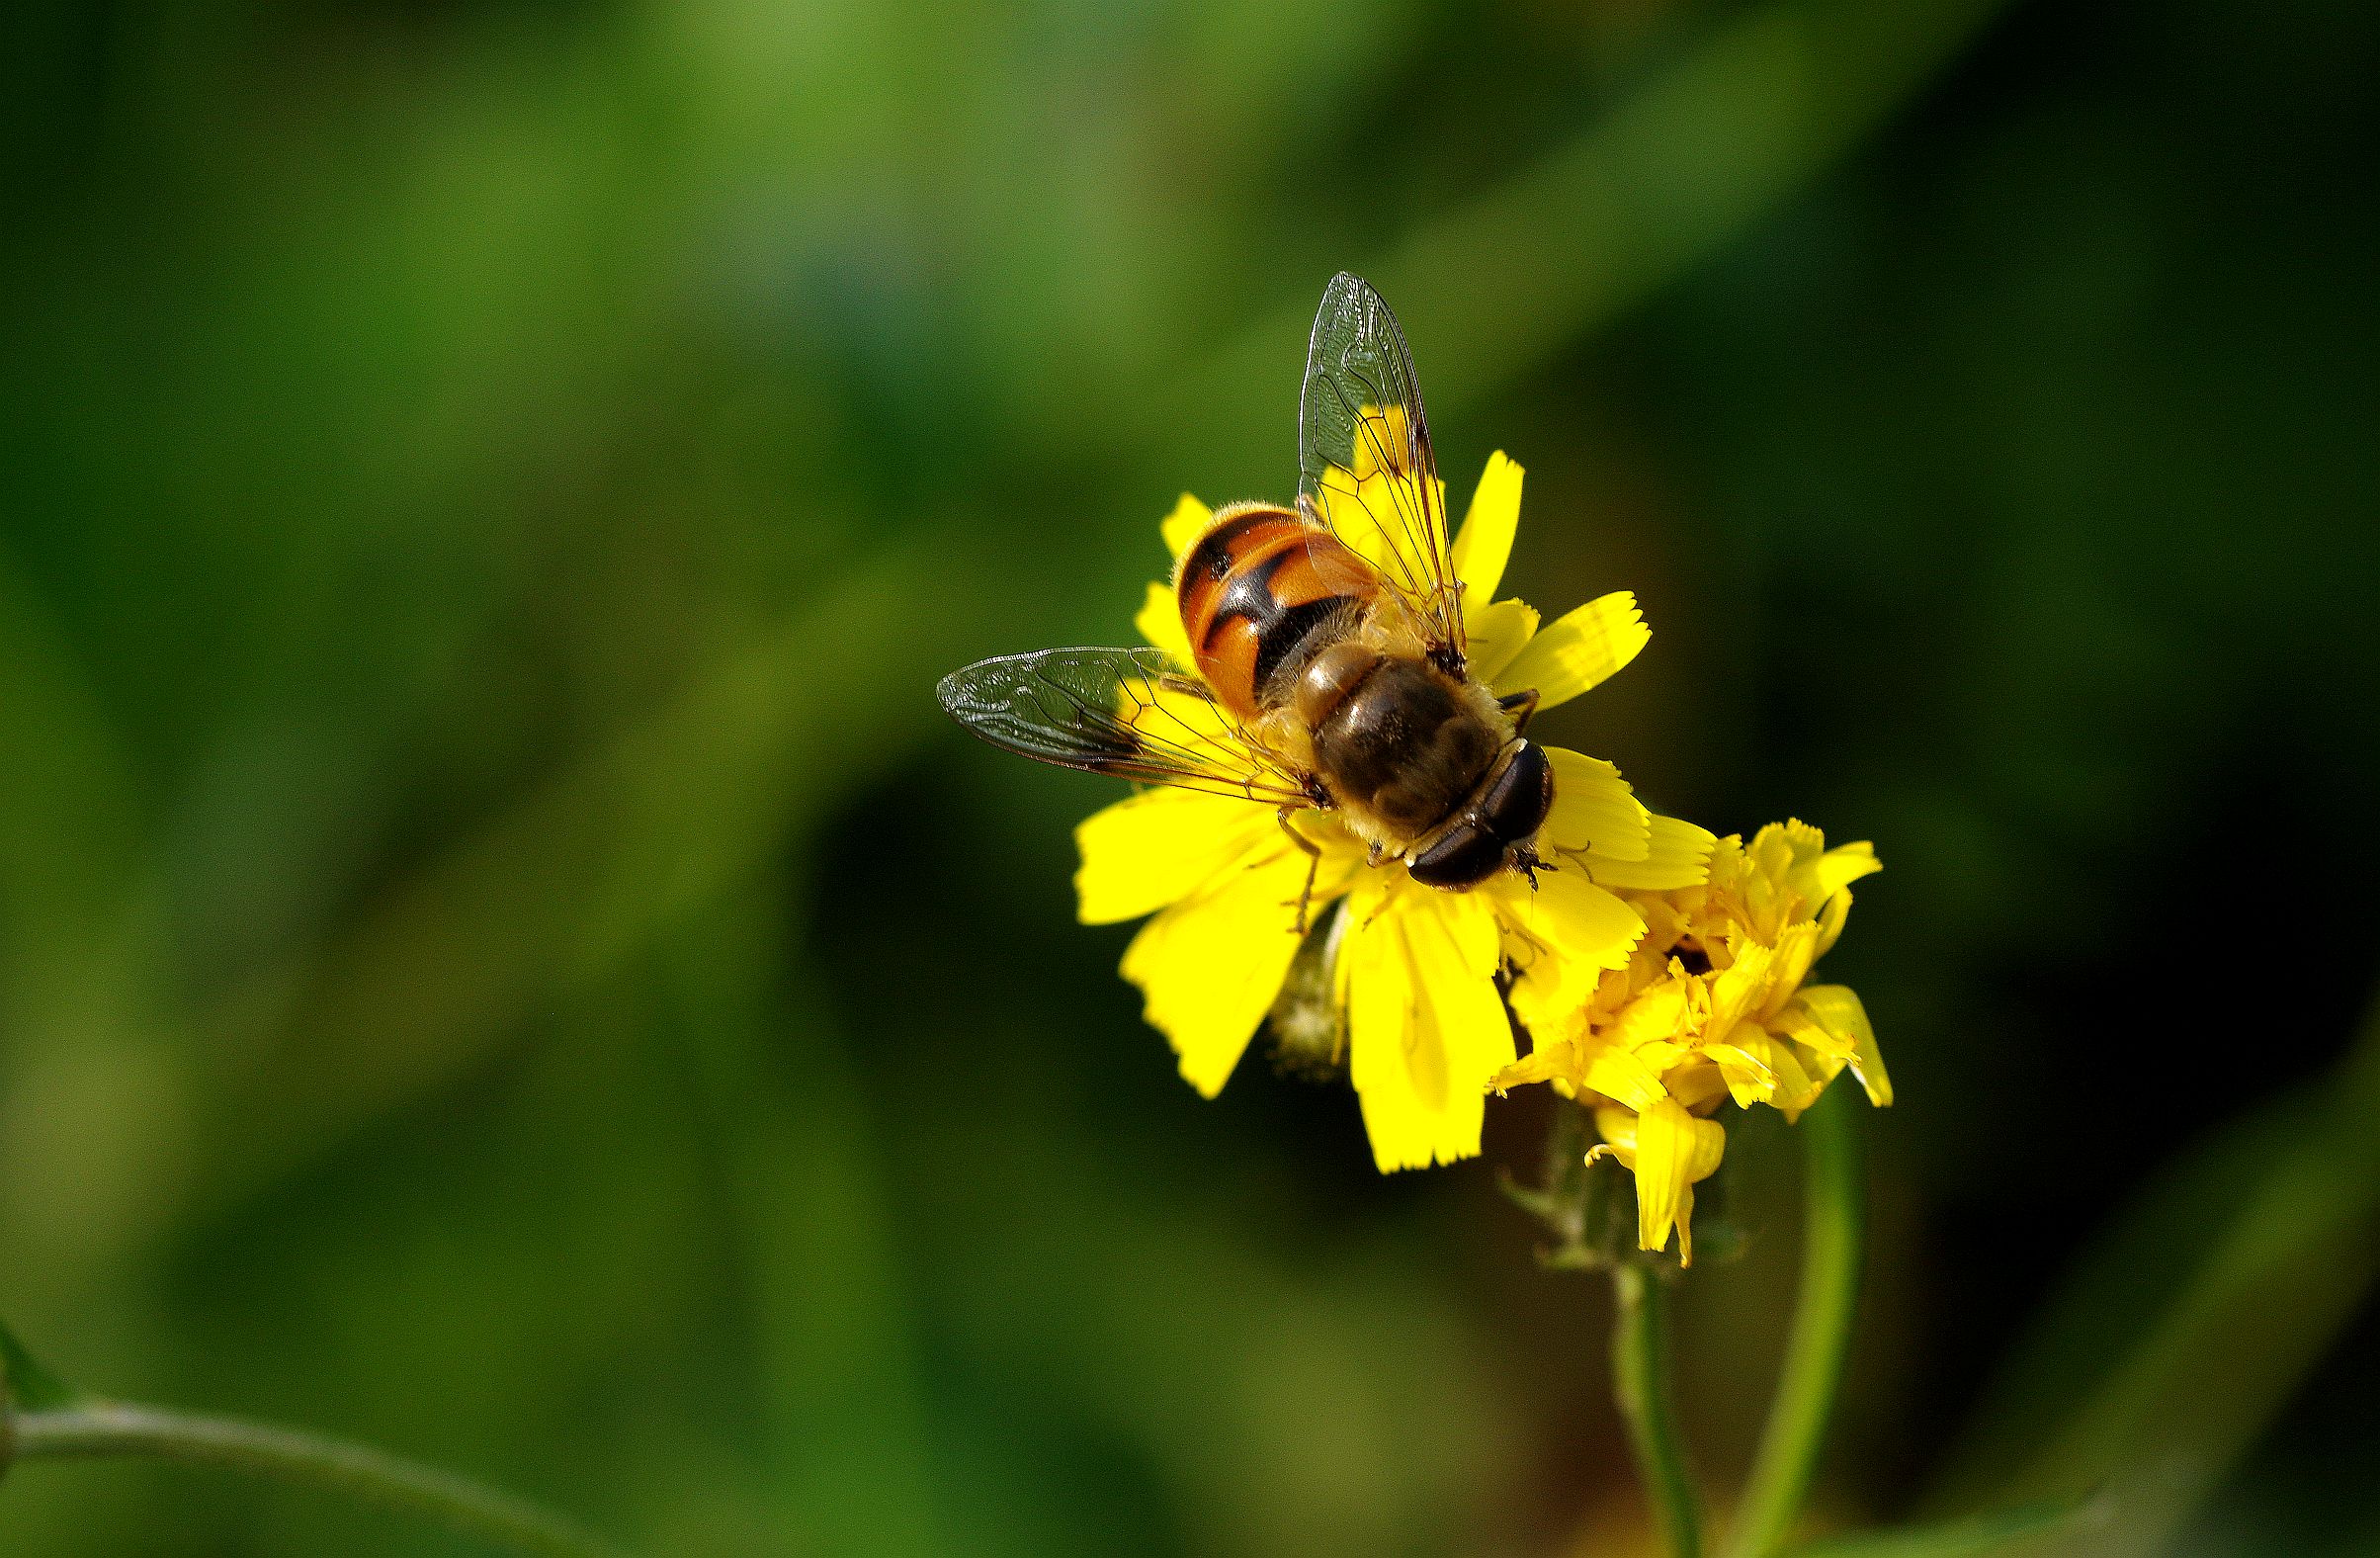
(1259, 592)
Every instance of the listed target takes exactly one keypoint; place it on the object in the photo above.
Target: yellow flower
(1712, 1008)
(1413, 970)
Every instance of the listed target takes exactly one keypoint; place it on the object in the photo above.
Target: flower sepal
(1589, 1212)
(1589, 1225)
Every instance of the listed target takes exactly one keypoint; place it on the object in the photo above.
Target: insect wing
(1121, 712)
(1365, 467)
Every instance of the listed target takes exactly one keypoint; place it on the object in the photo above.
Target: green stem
(1820, 1337)
(88, 1430)
(1640, 1379)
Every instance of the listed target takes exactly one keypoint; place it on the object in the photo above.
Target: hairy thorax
(1399, 743)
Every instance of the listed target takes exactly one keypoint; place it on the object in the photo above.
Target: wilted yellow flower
(1712, 1008)
(1413, 968)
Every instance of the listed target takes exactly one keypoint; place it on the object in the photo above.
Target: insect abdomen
(1259, 592)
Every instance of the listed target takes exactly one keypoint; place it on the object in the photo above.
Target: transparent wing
(1364, 461)
(1121, 712)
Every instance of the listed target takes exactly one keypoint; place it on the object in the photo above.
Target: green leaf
(23, 1383)
(2205, 1311)
(1962, 1539)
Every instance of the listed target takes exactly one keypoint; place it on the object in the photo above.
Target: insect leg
(1520, 704)
(1314, 863)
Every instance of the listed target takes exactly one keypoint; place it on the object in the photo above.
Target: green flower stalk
(42, 1419)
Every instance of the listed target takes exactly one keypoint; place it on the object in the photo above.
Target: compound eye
(1516, 803)
(1464, 855)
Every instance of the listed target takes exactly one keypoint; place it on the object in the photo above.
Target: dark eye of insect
(1517, 803)
(1467, 853)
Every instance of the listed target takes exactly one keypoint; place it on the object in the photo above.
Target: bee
(1330, 672)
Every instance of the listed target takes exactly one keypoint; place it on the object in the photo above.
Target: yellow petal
(1160, 846)
(1661, 1013)
(1825, 884)
(1748, 1078)
(1761, 1070)
(1617, 1125)
(1727, 863)
(1426, 1028)
(1210, 966)
(1843, 865)
(1537, 1007)
(1830, 920)
(1832, 1052)
(1378, 440)
(1188, 521)
(1622, 1076)
(1183, 716)
(1673, 1151)
(1485, 543)
(1557, 1061)
(1568, 919)
(1578, 650)
(1376, 516)
(1595, 810)
(1797, 947)
(1776, 848)
(1160, 617)
(1836, 1009)
(1553, 985)
(1694, 1082)
(1457, 951)
(1160, 623)
(1496, 633)
(1677, 856)
(1740, 989)
(1797, 1089)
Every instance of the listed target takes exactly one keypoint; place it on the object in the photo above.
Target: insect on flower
(1345, 667)
(1330, 640)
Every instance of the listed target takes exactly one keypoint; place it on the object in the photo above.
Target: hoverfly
(1329, 666)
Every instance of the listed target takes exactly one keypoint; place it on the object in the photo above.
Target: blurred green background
(500, 956)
